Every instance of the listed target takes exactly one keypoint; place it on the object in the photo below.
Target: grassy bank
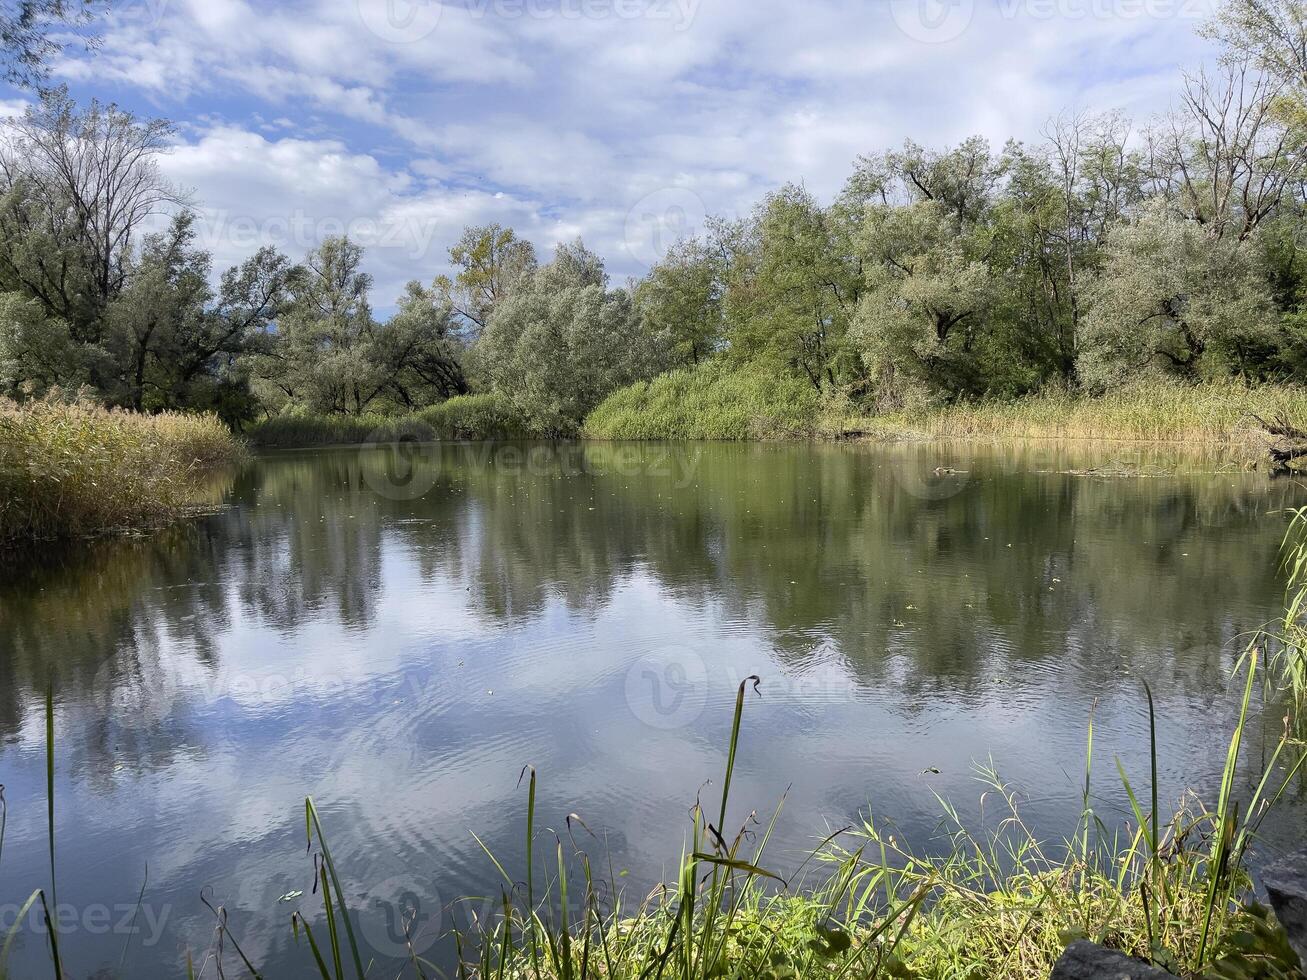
(1160, 411)
(75, 469)
(711, 402)
(716, 402)
(465, 418)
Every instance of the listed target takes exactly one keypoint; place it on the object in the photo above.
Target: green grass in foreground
(1286, 642)
(75, 469)
(999, 902)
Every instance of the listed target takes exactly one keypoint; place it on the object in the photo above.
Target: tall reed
(69, 469)
(1286, 642)
(1160, 410)
(1000, 901)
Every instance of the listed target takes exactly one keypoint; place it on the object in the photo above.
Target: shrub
(300, 430)
(710, 401)
(475, 417)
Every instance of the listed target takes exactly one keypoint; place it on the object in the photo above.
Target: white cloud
(419, 112)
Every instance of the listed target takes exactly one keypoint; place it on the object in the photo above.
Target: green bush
(300, 430)
(710, 401)
(75, 469)
(475, 417)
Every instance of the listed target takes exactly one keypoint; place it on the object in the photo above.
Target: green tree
(560, 342)
(681, 300)
(792, 289)
(491, 259)
(928, 294)
(321, 358)
(37, 351)
(76, 188)
(422, 349)
(926, 243)
(1172, 296)
(33, 31)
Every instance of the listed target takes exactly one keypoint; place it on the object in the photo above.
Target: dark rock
(1286, 882)
(1088, 961)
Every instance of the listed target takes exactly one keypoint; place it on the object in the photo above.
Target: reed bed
(476, 417)
(305, 431)
(717, 401)
(1224, 413)
(73, 469)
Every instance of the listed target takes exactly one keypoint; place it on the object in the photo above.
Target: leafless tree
(82, 183)
(1224, 157)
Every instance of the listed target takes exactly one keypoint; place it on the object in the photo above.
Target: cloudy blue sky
(624, 121)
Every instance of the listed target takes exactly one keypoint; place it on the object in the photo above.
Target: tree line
(1099, 254)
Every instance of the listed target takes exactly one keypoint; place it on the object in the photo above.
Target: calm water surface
(397, 633)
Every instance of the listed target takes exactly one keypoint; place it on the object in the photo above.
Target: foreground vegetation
(70, 469)
(998, 901)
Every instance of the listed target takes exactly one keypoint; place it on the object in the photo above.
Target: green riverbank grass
(302, 431)
(1286, 642)
(710, 401)
(1160, 411)
(999, 901)
(463, 418)
(472, 418)
(68, 470)
(716, 402)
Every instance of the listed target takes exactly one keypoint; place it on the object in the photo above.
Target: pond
(398, 631)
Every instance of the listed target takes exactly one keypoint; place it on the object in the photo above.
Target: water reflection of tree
(855, 553)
